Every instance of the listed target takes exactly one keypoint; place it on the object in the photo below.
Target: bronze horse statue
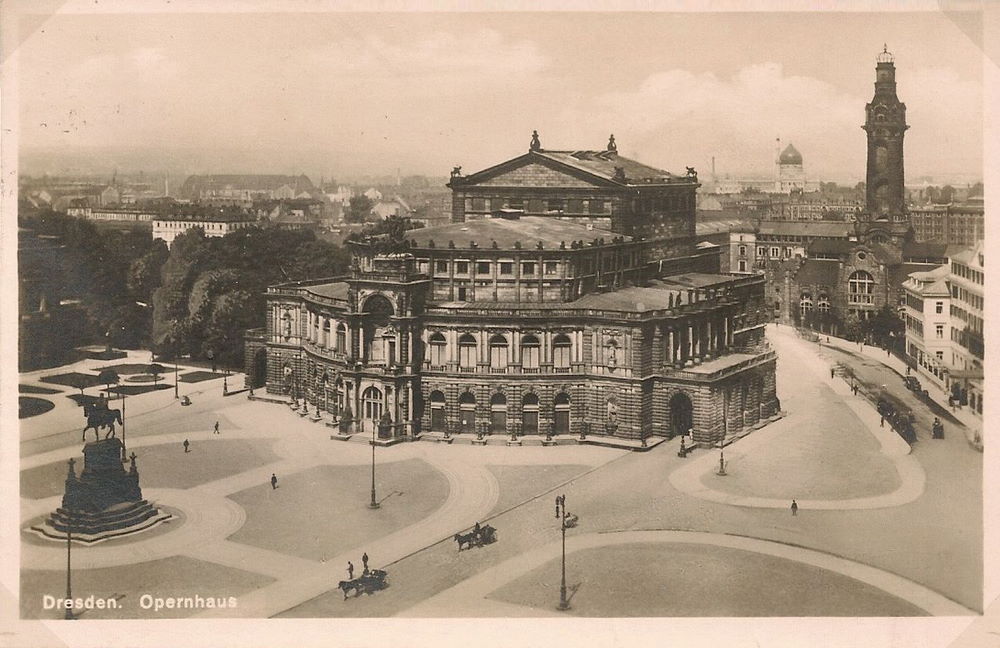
(100, 417)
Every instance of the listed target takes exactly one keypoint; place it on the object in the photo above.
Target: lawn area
(73, 379)
(34, 389)
(165, 466)
(125, 369)
(28, 406)
(519, 483)
(177, 576)
(198, 376)
(685, 580)
(323, 511)
(133, 390)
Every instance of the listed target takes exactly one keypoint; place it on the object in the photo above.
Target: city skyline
(153, 91)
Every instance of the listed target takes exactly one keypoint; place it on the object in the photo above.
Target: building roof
(831, 246)
(334, 290)
(818, 229)
(790, 156)
(820, 272)
(528, 230)
(925, 249)
(195, 184)
(702, 228)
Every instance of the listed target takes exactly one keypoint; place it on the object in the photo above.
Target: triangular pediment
(534, 171)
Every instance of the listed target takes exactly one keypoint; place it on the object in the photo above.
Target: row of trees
(212, 289)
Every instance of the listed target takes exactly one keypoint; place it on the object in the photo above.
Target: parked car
(912, 383)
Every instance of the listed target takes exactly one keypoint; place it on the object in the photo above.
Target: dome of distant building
(790, 156)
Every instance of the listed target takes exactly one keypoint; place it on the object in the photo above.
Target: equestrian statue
(99, 416)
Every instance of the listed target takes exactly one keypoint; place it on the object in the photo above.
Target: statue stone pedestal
(104, 501)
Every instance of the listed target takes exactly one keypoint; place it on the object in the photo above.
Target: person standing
(186, 444)
(364, 560)
(881, 421)
(795, 508)
(274, 481)
(216, 427)
(350, 570)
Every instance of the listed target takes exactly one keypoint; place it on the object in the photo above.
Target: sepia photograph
(616, 324)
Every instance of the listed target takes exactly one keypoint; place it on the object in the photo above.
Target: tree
(358, 209)
(108, 377)
(144, 274)
(976, 189)
(155, 369)
(947, 195)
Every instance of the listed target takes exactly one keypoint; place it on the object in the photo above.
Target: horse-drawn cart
(481, 535)
(366, 583)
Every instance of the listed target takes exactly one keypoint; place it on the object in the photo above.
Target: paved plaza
(881, 530)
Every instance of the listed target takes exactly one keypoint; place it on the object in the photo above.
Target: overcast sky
(367, 93)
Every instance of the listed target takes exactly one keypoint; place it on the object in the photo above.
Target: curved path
(688, 479)
(468, 599)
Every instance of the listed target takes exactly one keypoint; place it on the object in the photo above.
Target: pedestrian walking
(274, 481)
(186, 444)
(364, 560)
(881, 421)
(795, 508)
(831, 373)
(350, 570)
(216, 427)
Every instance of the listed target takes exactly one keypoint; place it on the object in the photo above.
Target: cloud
(677, 117)
(485, 52)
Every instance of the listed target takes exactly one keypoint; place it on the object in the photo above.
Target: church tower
(885, 123)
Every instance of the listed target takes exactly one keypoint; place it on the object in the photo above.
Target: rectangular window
(479, 204)
(596, 206)
(461, 293)
(536, 206)
(482, 267)
(574, 206)
(551, 267)
(938, 307)
(743, 266)
(743, 250)
(441, 266)
(939, 331)
(527, 269)
(515, 203)
(774, 253)
(939, 354)
(461, 267)
(556, 204)
(761, 251)
(506, 268)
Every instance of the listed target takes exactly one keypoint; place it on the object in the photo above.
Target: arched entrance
(439, 421)
(529, 414)
(681, 410)
(561, 413)
(259, 368)
(498, 414)
(371, 404)
(467, 413)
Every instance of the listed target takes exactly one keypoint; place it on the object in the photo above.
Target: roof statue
(885, 56)
(536, 144)
(612, 147)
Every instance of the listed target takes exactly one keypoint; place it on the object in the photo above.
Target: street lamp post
(563, 602)
(69, 584)
(373, 504)
(122, 394)
(225, 381)
(176, 394)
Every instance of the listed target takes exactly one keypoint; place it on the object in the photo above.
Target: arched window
(438, 350)
(530, 352)
(439, 421)
(371, 403)
(823, 303)
(342, 337)
(498, 352)
(560, 351)
(467, 351)
(324, 339)
(805, 303)
(860, 288)
(561, 413)
(529, 414)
